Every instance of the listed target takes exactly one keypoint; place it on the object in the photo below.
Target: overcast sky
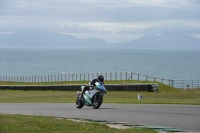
(111, 20)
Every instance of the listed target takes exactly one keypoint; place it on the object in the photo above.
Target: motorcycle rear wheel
(98, 99)
(79, 103)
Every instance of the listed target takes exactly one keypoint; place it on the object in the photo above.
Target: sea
(159, 63)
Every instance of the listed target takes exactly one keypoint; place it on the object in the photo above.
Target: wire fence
(112, 76)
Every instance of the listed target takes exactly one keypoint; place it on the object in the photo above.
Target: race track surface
(176, 116)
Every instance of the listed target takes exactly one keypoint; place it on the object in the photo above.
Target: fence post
(169, 82)
(126, 76)
(131, 76)
(138, 76)
(146, 78)
(192, 84)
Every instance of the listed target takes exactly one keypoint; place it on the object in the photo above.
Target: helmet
(100, 78)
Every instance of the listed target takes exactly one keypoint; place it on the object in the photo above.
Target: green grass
(180, 97)
(166, 95)
(44, 124)
(32, 124)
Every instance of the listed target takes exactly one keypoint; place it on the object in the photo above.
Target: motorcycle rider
(100, 79)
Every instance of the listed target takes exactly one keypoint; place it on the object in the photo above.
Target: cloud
(112, 20)
(117, 32)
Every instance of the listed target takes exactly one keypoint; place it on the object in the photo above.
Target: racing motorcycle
(92, 97)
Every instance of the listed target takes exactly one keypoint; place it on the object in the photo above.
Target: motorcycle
(92, 97)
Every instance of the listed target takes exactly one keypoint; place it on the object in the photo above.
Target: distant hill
(46, 39)
(165, 41)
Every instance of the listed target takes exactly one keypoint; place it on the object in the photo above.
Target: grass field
(32, 124)
(43, 124)
(166, 95)
(180, 97)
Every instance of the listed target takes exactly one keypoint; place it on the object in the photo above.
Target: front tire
(79, 103)
(97, 101)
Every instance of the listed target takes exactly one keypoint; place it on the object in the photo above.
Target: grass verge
(44, 124)
(128, 97)
(166, 95)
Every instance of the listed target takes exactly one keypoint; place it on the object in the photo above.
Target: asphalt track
(176, 116)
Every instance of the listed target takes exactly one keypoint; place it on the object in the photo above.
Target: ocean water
(168, 64)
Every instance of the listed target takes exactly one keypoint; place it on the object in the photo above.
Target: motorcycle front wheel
(79, 103)
(97, 101)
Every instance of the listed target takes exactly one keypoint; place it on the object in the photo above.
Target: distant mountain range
(46, 39)
(165, 41)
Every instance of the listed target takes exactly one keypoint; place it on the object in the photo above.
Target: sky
(112, 20)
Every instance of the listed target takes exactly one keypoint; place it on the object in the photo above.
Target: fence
(108, 76)
(185, 84)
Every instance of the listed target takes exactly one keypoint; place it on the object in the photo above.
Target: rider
(100, 79)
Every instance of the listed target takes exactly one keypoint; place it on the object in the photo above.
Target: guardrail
(150, 87)
(108, 76)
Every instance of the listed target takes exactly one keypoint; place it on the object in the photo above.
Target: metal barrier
(128, 87)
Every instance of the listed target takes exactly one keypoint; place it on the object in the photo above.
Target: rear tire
(79, 103)
(97, 101)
